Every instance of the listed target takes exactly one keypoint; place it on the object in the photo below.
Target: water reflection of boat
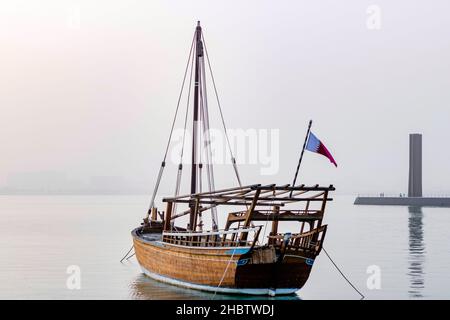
(143, 287)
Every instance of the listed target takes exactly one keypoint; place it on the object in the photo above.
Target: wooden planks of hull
(194, 265)
(254, 271)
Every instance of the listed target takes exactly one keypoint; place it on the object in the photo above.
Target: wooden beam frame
(248, 217)
(168, 216)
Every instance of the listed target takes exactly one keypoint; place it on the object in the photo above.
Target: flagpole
(301, 156)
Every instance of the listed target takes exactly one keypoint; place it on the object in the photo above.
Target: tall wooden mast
(195, 127)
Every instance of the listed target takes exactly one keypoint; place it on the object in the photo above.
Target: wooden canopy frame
(253, 196)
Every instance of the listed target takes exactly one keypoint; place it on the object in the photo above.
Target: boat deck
(151, 236)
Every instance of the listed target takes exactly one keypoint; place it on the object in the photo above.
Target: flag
(315, 145)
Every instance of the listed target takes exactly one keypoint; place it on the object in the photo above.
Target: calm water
(40, 236)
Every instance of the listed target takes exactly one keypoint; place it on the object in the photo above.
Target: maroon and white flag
(315, 145)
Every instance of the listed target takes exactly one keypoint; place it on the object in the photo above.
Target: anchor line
(343, 275)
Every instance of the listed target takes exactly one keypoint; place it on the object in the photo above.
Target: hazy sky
(88, 88)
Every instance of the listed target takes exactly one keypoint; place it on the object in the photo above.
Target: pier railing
(399, 195)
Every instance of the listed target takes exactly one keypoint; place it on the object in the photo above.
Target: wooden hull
(226, 270)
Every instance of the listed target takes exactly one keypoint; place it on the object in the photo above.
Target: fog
(88, 90)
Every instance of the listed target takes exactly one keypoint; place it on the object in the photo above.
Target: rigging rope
(342, 274)
(204, 115)
(179, 99)
(233, 159)
(190, 61)
(126, 254)
(163, 164)
(187, 109)
(225, 272)
(180, 165)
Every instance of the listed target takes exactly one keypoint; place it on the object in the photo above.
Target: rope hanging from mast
(196, 62)
(233, 159)
(163, 163)
(204, 115)
(180, 165)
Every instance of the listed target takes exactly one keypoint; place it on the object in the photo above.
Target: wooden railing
(310, 241)
(221, 238)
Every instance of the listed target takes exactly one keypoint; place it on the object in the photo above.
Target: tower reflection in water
(416, 257)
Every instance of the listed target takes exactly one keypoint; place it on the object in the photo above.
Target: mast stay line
(163, 163)
(196, 66)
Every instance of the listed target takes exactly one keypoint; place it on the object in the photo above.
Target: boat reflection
(143, 287)
(416, 258)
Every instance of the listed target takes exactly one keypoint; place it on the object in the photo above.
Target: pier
(414, 197)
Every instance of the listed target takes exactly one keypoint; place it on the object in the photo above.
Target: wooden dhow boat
(251, 254)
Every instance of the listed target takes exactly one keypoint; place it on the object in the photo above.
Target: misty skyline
(89, 89)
